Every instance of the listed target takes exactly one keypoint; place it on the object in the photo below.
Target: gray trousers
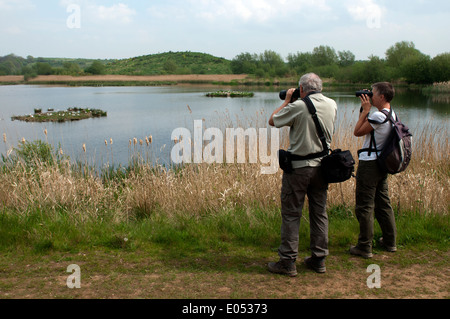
(372, 200)
(303, 181)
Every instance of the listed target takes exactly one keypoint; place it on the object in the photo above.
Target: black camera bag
(338, 166)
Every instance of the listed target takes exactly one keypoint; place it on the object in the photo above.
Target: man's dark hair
(386, 89)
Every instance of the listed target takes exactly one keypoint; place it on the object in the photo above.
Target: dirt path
(122, 275)
(127, 78)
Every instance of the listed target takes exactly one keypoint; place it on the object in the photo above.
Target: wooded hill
(170, 63)
(155, 64)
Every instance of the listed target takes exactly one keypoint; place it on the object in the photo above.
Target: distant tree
(244, 63)
(29, 72)
(11, 64)
(416, 69)
(272, 63)
(440, 68)
(346, 58)
(43, 68)
(326, 71)
(71, 68)
(371, 71)
(299, 62)
(96, 68)
(400, 51)
(324, 55)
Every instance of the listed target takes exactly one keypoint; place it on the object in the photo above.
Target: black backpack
(396, 154)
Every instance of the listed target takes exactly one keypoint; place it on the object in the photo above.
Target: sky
(121, 29)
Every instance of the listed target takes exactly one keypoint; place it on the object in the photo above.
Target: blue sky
(224, 28)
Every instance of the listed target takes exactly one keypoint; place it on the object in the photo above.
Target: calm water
(137, 112)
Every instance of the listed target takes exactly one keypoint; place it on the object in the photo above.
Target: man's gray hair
(311, 82)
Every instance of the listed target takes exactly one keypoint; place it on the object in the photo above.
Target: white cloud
(7, 5)
(364, 9)
(13, 30)
(119, 12)
(258, 11)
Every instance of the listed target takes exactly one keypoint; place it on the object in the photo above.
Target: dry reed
(198, 189)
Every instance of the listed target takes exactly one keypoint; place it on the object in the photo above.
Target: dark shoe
(316, 264)
(387, 248)
(283, 267)
(356, 251)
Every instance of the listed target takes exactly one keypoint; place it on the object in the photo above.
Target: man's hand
(286, 102)
(289, 94)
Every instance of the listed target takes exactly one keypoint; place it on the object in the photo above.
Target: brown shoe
(392, 249)
(316, 264)
(356, 251)
(283, 267)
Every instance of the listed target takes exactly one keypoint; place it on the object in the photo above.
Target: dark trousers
(372, 196)
(303, 181)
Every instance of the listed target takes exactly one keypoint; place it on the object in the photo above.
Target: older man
(306, 179)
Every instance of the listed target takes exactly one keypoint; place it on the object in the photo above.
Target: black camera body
(364, 92)
(295, 95)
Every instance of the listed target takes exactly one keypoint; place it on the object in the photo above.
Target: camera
(362, 92)
(295, 95)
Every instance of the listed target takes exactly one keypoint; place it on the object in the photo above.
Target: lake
(140, 112)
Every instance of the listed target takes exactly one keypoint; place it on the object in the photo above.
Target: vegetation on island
(222, 93)
(71, 114)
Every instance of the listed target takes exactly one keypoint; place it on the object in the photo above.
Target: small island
(230, 94)
(72, 114)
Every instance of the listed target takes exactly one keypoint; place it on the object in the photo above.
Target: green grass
(222, 231)
(221, 255)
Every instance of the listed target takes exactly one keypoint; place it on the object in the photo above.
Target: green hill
(170, 63)
(155, 64)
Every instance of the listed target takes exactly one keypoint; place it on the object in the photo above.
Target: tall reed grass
(195, 190)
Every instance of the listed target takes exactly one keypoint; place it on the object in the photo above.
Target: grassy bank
(222, 255)
(38, 232)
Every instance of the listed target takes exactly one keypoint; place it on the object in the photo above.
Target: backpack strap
(323, 140)
(388, 117)
(313, 112)
(373, 144)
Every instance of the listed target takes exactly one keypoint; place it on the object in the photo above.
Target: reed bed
(196, 190)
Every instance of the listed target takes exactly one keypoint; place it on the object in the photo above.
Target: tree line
(32, 67)
(403, 62)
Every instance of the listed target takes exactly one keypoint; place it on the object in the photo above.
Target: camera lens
(295, 95)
